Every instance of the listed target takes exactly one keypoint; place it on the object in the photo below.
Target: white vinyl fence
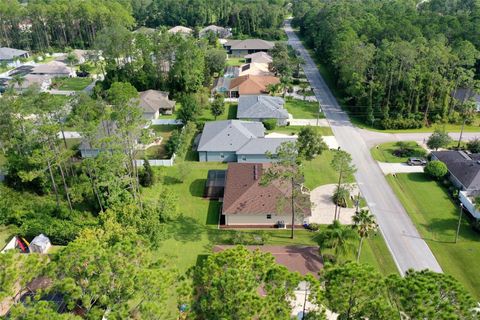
(158, 163)
(166, 122)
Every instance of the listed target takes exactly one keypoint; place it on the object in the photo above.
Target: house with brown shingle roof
(251, 85)
(153, 103)
(247, 202)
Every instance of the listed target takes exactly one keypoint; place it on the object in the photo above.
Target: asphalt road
(409, 250)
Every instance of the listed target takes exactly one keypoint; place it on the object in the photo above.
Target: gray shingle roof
(252, 44)
(263, 145)
(229, 135)
(259, 57)
(153, 100)
(10, 53)
(465, 168)
(261, 107)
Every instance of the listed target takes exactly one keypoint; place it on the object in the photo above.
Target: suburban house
(240, 48)
(154, 103)
(464, 173)
(237, 141)
(255, 69)
(246, 201)
(181, 30)
(105, 129)
(250, 85)
(463, 95)
(40, 81)
(221, 85)
(258, 57)
(262, 107)
(220, 32)
(54, 69)
(231, 72)
(10, 55)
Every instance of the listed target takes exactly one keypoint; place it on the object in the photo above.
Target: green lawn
(235, 62)
(230, 113)
(385, 152)
(293, 130)
(436, 217)
(300, 109)
(71, 84)
(158, 151)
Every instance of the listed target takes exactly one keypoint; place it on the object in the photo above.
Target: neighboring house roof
(259, 57)
(33, 79)
(221, 31)
(180, 29)
(464, 167)
(252, 84)
(229, 135)
(152, 100)
(144, 30)
(261, 107)
(53, 67)
(301, 259)
(249, 44)
(263, 145)
(10, 53)
(255, 69)
(231, 72)
(222, 84)
(465, 94)
(244, 194)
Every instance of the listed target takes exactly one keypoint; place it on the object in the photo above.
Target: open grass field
(72, 84)
(385, 152)
(293, 130)
(436, 216)
(300, 109)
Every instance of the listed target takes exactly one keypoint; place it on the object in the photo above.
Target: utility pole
(459, 222)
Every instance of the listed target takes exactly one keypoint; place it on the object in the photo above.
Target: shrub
(270, 124)
(146, 176)
(313, 226)
(474, 145)
(401, 123)
(436, 169)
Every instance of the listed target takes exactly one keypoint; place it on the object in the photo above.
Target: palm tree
(284, 85)
(304, 86)
(339, 238)
(17, 80)
(364, 223)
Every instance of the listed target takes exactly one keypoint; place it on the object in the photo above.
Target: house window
(244, 158)
(222, 155)
(269, 216)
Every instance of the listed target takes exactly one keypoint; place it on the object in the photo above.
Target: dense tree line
(41, 24)
(396, 63)
(254, 18)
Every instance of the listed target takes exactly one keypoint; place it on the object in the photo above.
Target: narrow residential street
(409, 250)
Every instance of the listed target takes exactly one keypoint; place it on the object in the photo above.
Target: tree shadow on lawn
(419, 177)
(197, 187)
(169, 180)
(185, 229)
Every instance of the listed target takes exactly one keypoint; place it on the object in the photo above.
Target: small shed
(40, 244)
(215, 185)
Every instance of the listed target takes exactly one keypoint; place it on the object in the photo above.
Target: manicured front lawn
(385, 152)
(435, 216)
(294, 130)
(300, 109)
(319, 171)
(71, 84)
(235, 62)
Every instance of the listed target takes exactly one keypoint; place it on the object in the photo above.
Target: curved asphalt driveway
(407, 247)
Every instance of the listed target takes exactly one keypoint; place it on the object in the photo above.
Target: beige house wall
(256, 219)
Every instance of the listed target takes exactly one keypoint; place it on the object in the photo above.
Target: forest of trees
(396, 63)
(43, 25)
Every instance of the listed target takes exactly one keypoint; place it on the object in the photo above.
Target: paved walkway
(408, 249)
(309, 122)
(389, 168)
(323, 210)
